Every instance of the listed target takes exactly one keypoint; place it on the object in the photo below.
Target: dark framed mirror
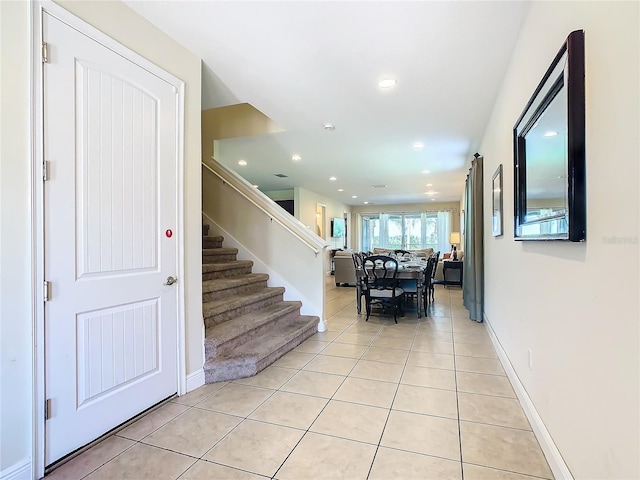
(549, 152)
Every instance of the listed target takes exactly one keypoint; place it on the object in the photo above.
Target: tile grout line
(455, 375)
(319, 413)
(384, 427)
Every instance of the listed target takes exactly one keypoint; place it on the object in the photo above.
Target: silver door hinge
(46, 293)
(47, 409)
(45, 171)
(45, 52)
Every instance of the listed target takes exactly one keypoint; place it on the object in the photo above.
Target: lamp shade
(454, 238)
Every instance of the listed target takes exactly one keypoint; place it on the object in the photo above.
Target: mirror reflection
(546, 172)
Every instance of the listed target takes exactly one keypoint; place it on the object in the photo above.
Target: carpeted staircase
(248, 325)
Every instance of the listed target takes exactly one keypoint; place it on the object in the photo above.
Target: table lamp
(454, 239)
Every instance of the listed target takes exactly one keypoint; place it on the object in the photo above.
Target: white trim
(18, 471)
(37, 208)
(549, 448)
(182, 327)
(195, 379)
(37, 245)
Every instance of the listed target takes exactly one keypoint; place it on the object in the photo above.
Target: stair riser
(228, 347)
(218, 258)
(236, 312)
(211, 242)
(268, 360)
(222, 375)
(238, 290)
(230, 273)
(251, 368)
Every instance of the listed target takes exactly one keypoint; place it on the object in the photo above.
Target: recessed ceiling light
(333, 179)
(242, 163)
(429, 185)
(550, 134)
(426, 172)
(341, 189)
(255, 186)
(433, 199)
(296, 157)
(329, 126)
(387, 83)
(418, 146)
(430, 192)
(354, 196)
(366, 203)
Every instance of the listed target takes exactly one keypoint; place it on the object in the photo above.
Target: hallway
(424, 399)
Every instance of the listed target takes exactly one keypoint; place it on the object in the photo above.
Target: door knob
(170, 281)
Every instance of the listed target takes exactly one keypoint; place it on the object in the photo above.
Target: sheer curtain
(407, 230)
(444, 229)
(473, 273)
(384, 229)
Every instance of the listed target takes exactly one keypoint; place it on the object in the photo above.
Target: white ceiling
(307, 63)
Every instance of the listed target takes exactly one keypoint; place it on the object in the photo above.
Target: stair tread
(218, 284)
(219, 251)
(219, 267)
(249, 326)
(237, 300)
(266, 343)
(223, 332)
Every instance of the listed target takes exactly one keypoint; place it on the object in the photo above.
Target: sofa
(344, 270)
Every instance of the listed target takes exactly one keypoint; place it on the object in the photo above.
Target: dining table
(407, 270)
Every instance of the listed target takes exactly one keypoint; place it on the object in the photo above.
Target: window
(406, 231)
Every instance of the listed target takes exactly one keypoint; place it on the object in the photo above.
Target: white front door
(110, 209)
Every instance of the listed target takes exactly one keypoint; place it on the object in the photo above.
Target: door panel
(118, 160)
(110, 324)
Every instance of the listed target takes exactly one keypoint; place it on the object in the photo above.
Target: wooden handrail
(266, 205)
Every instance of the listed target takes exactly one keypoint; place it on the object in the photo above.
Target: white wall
(274, 249)
(575, 305)
(118, 21)
(305, 211)
(280, 194)
(15, 239)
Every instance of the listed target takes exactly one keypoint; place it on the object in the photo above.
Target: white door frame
(37, 207)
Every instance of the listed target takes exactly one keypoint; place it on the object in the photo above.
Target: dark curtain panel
(473, 278)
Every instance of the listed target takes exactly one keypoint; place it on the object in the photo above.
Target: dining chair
(410, 287)
(433, 281)
(379, 283)
(429, 274)
(358, 260)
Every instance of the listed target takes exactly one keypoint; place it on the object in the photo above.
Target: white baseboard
(18, 471)
(549, 448)
(195, 380)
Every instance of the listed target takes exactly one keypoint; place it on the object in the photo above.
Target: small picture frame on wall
(496, 203)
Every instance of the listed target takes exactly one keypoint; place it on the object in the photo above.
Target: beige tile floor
(424, 399)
